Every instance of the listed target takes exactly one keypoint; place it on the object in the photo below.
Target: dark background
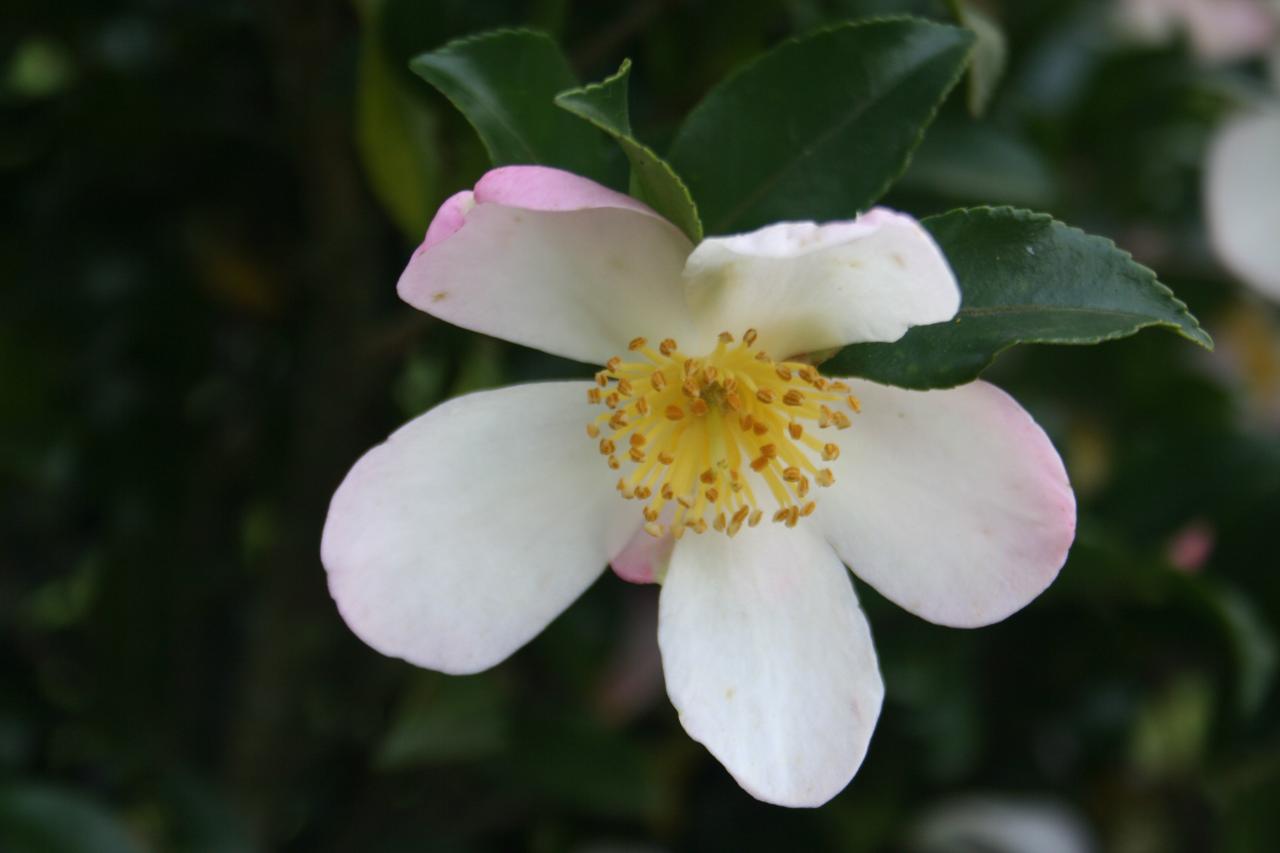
(203, 211)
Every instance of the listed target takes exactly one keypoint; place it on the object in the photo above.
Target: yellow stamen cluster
(702, 436)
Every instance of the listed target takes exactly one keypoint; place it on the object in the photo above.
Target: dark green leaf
(604, 104)
(504, 82)
(443, 719)
(1026, 278)
(38, 819)
(989, 54)
(394, 134)
(819, 127)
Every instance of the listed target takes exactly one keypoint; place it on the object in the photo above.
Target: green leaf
(444, 719)
(505, 83)
(604, 104)
(395, 134)
(989, 54)
(819, 127)
(1025, 278)
(40, 819)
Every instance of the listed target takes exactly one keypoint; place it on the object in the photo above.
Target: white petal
(1242, 198)
(953, 504)
(457, 541)
(769, 661)
(808, 287)
(554, 261)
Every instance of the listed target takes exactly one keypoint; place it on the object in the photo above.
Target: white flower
(1218, 30)
(1242, 197)
(751, 481)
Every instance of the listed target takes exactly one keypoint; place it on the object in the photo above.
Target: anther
(667, 492)
(713, 494)
(719, 523)
(653, 529)
(765, 395)
(636, 343)
(726, 338)
(685, 501)
(650, 513)
(593, 396)
(666, 458)
(708, 476)
(619, 420)
(759, 428)
(830, 452)
(613, 399)
(643, 492)
(602, 379)
(769, 451)
(699, 407)
(854, 403)
(667, 346)
(795, 430)
(658, 380)
(624, 387)
(614, 363)
(749, 337)
(791, 474)
(755, 518)
(636, 454)
(808, 508)
(674, 412)
(606, 447)
(825, 477)
(841, 420)
(614, 464)
(637, 439)
(642, 405)
(592, 430)
(793, 397)
(784, 372)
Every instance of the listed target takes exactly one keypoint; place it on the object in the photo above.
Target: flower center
(703, 437)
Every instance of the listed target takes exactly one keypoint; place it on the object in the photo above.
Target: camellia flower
(1218, 30)
(1242, 197)
(709, 455)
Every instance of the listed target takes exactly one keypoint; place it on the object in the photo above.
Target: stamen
(707, 435)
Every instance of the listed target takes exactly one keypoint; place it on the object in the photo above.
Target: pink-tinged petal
(551, 190)
(448, 218)
(1242, 198)
(1218, 30)
(769, 660)
(1228, 30)
(1191, 547)
(455, 542)
(953, 504)
(553, 261)
(807, 287)
(644, 559)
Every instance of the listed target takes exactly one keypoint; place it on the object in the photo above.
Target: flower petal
(953, 504)
(455, 542)
(769, 661)
(1242, 198)
(808, 287)
(551, 260)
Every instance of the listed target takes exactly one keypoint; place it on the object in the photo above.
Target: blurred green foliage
(205, 208)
